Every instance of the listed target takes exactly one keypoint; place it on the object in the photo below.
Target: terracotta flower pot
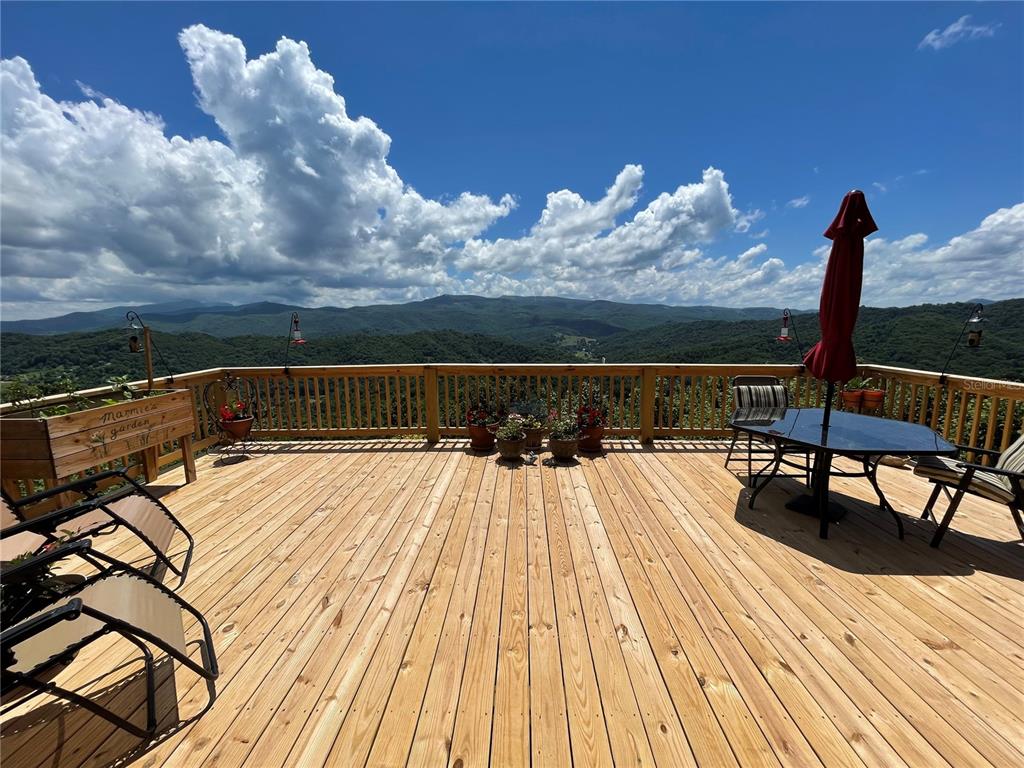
(535, 438)
(481, 438)
(563, 450)
(852, 399)
(511, 450)
(239, 429)
(872, 400)
(590, 439)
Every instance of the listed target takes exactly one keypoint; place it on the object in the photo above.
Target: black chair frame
(96, 499)
(71, 610)
(963, 487)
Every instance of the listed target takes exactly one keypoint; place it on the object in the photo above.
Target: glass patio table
(864, 438)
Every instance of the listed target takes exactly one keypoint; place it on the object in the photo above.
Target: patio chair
(34, 537)
(763, 395)
(125, 602)
(96, 514)
(1003, 483)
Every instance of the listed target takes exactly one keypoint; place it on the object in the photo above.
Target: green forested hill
(913, 337)
(91, 358)
(910, 337)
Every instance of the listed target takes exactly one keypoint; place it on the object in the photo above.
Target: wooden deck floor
(387, 604)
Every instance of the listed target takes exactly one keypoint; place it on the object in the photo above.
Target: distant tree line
(912, 337)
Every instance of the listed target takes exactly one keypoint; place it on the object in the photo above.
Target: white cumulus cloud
(799, 202)
(101, 206)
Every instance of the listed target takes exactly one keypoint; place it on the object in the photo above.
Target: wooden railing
(643, 401)
(432, 400)
(982, 413)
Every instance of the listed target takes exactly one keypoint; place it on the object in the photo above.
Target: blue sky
(793, 103)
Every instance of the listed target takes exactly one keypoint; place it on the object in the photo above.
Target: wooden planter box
(56, 447)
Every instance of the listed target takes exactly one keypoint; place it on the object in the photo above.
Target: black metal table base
(817, 503)
(806, 504)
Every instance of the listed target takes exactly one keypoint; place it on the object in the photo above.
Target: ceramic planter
(563, 450)
(590, 439)
(535, 438)
(481, 438)
(239, 429)
(872, 400)
(511, 450)
(852, 399)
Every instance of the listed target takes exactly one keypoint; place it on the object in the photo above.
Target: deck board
(383, 603)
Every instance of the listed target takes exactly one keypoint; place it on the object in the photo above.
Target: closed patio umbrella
(832, 359)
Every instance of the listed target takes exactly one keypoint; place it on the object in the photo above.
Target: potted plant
(872, 398)
(534, 413)
(852, 399)
(482, 424)
(511, 437)
(236, 419)
(563, 437)
(591, 421)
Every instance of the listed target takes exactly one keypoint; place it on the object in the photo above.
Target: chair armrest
(991, 470)
(37, 624)
(47, 522)
(54, 555)
(80, 485)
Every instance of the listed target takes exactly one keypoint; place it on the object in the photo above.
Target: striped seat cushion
(1012, 459)
(761, 396)
(983, 483)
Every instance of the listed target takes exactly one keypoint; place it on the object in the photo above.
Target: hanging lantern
(134, 331)
(974, 329)
(784, 332)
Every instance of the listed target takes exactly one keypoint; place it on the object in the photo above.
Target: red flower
(226, 412)
(589, 416)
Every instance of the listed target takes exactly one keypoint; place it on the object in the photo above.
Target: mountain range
(533, 317)
(523, 330)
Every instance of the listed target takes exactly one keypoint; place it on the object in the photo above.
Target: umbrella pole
(830, 393)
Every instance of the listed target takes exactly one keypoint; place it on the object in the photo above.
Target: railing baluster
(1008, 431)
(431, 404)
(316, 403)
(990, 432)
(976, 423)
(725, 403)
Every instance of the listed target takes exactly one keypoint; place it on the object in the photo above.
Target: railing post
(430, 393)
(648, 381)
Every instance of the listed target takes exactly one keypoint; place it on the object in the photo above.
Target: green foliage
(910, 337)
(512, 428)
(101, 357)
(913, 337)
(564, 427)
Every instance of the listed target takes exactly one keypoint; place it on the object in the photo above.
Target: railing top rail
(482, 368)
(952, 380)
(995, 387)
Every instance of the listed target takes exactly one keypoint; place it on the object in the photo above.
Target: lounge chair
(19, 538)
(763, 397)
(121, 601)
(96, 514)
(1003, 482)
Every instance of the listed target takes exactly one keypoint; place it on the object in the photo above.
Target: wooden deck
(386, 604)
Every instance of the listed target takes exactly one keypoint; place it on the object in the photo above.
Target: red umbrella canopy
(833, 358)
